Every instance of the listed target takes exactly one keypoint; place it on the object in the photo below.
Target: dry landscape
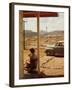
(49, 65)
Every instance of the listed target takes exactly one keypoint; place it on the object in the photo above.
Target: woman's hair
(32, 50)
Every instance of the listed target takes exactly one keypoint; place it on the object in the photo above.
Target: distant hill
(53, 33)
(29, 33)
(56, 33)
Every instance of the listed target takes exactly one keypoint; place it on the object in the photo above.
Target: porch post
(38, 29)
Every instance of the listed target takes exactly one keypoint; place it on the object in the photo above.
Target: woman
(32, 65)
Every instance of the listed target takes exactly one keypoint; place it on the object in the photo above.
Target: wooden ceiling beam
(28, 14)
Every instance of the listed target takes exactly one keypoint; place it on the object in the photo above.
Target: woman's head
(32, 50)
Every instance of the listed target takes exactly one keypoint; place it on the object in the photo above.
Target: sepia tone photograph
(42, 44)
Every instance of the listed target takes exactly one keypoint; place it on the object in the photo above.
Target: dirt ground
(49, 65)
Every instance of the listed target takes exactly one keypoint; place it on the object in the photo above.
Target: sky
(48, 24)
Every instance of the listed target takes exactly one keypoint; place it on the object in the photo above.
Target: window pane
(51, 55)
(30, 41)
